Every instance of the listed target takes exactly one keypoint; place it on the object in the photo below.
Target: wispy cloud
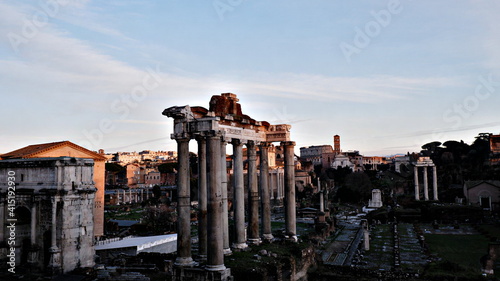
(442, 131)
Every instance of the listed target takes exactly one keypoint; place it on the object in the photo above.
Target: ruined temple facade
(424, 163)
(50, 203)
(225, 124)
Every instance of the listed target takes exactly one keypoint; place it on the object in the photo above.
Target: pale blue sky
(99, 73)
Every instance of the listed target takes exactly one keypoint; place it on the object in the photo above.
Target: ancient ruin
(47, 218)
(224, 123)
(376, 201)
(425, 162)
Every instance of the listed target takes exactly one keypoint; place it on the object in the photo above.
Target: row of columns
(213, 227)
(426, 184)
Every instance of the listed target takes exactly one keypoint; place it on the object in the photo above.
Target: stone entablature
(224, 116)
(424, 162)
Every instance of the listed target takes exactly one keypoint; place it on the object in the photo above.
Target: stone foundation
(198, 274)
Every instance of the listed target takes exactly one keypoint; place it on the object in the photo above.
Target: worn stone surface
(62, 184)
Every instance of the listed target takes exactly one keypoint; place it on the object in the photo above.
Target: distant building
(69, 149)
(315, 153)
(135, 175)
(52, 205)
(153, 178)
(495, 149)
(128, 157)
(137, 157)
(373, 162)
(485, 194)
(342, 161)
(336, 144)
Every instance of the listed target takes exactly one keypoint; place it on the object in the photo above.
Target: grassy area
(302, 228)
(245, 264)
(381, 236)
(491, 230)
(460, 254)
(133, 214)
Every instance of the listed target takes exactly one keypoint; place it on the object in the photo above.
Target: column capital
(288, 143)
(181, 136)
(265, 144)
(236, 142)
(200, 138)
(182, 139)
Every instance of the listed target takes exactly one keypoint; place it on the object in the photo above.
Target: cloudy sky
(387, 76)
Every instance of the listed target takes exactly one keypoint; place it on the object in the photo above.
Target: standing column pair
(213, 235)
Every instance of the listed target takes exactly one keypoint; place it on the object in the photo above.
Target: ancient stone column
(225, 211)
(55, 253)
(239, 196)
(264, 191)
(253, 195)
(282, 185)
(279, 195)
(202, 197)
(215, 254)
(366, 236)
(271, 185)
(417, 191)
(33, 253)
(435, 183)
(33, 224)
(290, 216)
(183, 205)
(321, 201)
(426, 185)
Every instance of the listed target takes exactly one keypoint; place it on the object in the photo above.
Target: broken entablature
(224, 116)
